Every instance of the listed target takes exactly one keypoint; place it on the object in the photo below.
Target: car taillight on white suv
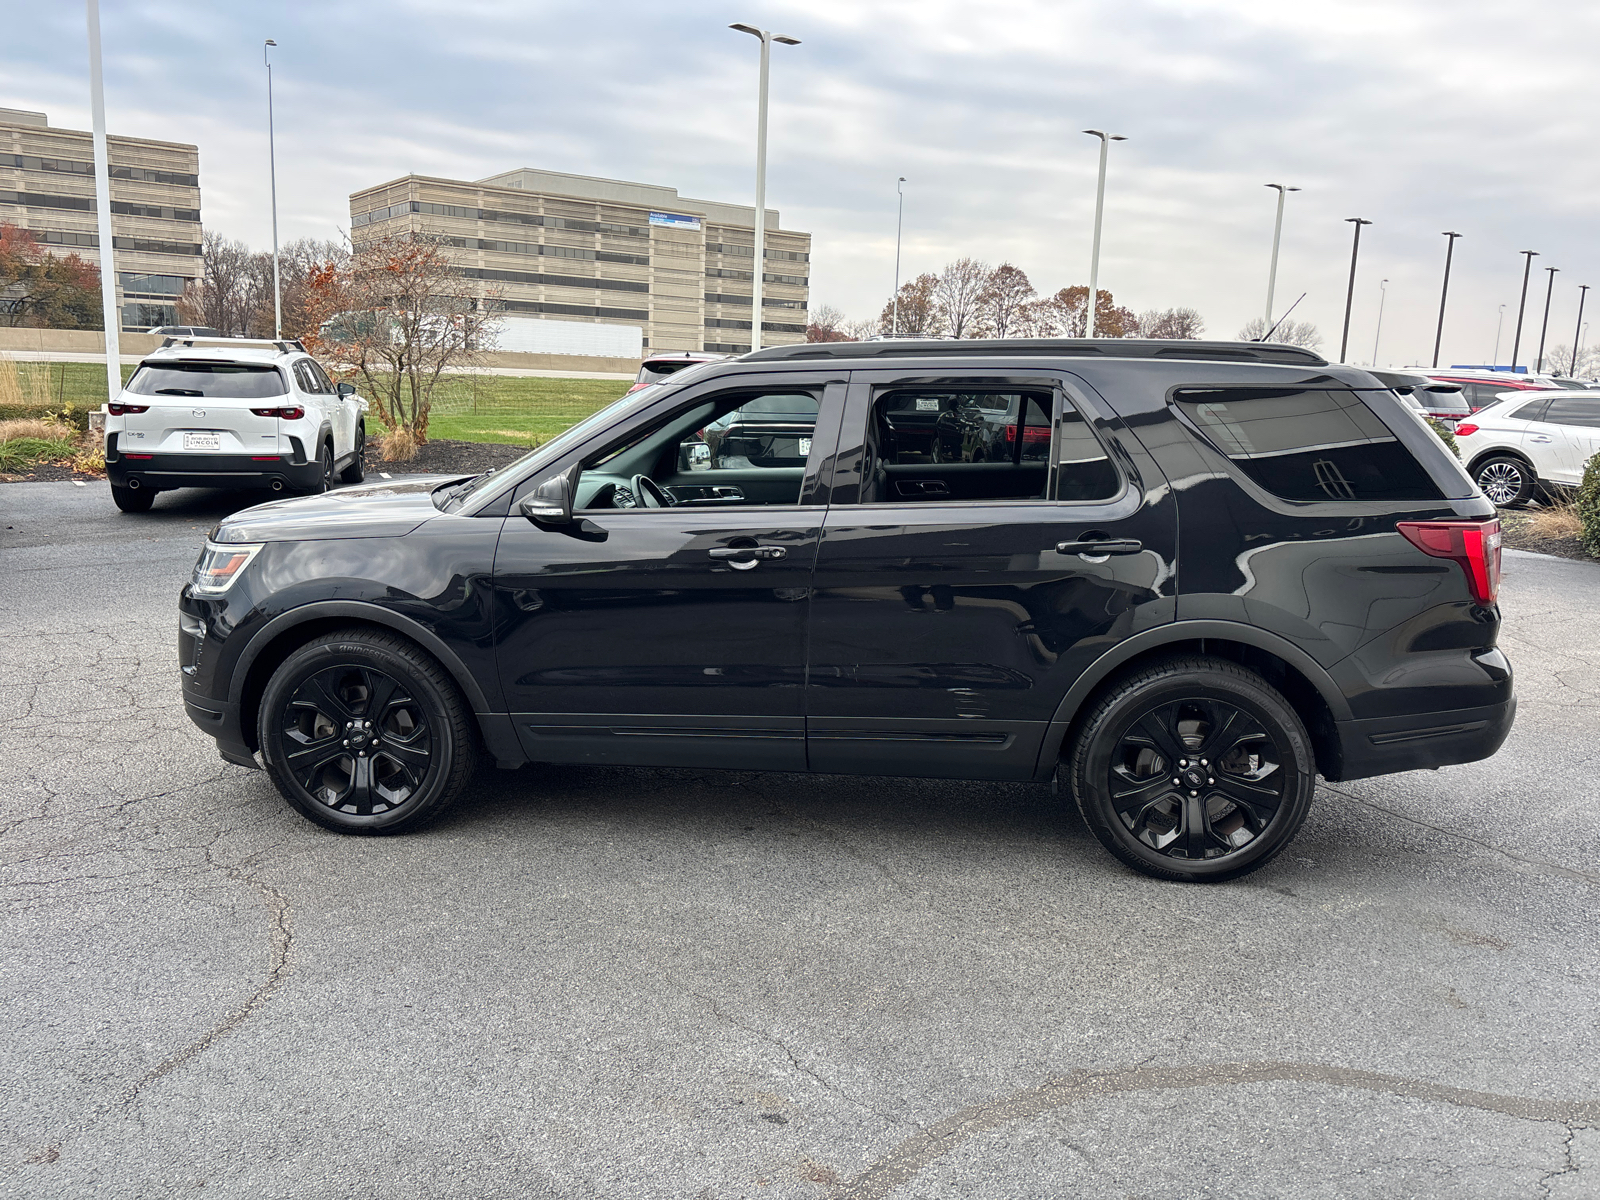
(1473, 544)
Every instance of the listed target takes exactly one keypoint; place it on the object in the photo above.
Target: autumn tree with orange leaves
(398, 315)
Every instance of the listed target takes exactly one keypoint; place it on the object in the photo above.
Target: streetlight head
(1117, 137)
(786, 39)
(270, 42)
(1451, 233)
(1294, 189)
(903, 179)
(1358, 221)
(750, 29)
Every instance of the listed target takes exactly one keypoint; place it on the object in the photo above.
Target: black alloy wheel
(1193, 769)
(364, 733)
(1505, 480)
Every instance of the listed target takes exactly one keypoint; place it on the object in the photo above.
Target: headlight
(219, 566)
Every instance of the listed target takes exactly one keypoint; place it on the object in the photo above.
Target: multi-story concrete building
(573, 248)
(47, 188)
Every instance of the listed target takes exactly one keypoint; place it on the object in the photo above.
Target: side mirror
(347, 389)
(551, 502)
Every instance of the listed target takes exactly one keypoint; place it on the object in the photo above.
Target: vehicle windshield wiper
(179, 392)
(452, 492)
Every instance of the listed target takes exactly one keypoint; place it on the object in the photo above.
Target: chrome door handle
(1101, 546)
(1539, 437)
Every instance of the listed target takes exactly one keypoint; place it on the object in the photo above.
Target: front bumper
(159, 472)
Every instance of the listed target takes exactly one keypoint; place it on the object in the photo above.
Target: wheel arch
(286, 633)
(1304, 682)
(1515, 452)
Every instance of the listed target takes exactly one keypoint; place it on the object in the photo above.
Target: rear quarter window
(1309, 443)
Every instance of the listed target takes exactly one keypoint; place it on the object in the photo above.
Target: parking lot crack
(1569, 1165)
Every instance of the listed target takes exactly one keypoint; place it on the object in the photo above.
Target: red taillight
(265, 457)
(1030, 433)
(290, 412)
(117, 409)
(1473, 544)
(139, 456)
(1466, 429)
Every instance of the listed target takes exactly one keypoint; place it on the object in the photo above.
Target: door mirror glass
(347, 389)
(550, 503)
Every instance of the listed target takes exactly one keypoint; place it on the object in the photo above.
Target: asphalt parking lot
(629, 983)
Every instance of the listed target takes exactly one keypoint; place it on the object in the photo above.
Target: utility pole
(1449, 251)
(102, 203)
(1099, 211)
(766, 38)
(272, 170)
(1544, 327)
(894, 329)
(1516, 342)
(1350, 293)
(1277, 233)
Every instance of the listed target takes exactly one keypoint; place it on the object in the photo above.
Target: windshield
(221, 381)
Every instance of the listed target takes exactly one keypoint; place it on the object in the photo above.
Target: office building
(573, 248)
(47, 188)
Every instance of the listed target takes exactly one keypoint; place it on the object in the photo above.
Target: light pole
(1383, 295)
(1350, 292)
(1544, 327)
(1516, 342)
(1099, 211)
(1577, 334)
(1277, 233)
(1498, 326)
(1449, 251)
(102, 199)
(766, 37)
(272, 168)
(899, 220)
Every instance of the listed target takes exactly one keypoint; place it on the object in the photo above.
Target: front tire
(132, 500)
(1505, 480)
(364, 733)
(1194, 770)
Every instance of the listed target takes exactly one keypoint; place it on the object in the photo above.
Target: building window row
(150, 246)
(642, 260)
(766, 301)
(73, 166)
(153, 285)
(727, 348)
(767, 326)
(574, 310)
(490, 214)
(126, 208)
(750, 251)
(749, 276)
(579, 281)
(86, 204)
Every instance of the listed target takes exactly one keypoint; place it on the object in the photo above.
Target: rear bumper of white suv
(160, 472)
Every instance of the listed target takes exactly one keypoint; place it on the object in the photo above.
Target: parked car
(1531, 443)
(1438, 399)
(768, 431)
(991, 428)
(659, 366)
(1483, 388)
(1236, 567)
(243, 414)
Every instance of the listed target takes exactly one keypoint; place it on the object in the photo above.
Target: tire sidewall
(1524, 491)
(320, 656)
(1091, 764)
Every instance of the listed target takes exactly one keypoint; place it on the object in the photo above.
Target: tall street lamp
(1516, 342)
(1383, 294)
(1277, 233)
(1498, 326)
(899, 220)
(1577, 334)
(1350, 292)
(1544, 327)
(766, 37)
(1099, 211)
(102, 202)
(1449, 251)
(272, 168)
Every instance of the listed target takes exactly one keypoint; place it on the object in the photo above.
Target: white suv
(231, 413)
(1530, 440)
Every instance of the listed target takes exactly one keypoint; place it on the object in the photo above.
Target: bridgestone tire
(343, 663)
(1506, 480)
(1115, 727)
(132, 500)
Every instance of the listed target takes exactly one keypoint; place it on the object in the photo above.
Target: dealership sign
(674, 221)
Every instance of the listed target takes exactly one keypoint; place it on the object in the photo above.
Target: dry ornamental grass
(1555, 520)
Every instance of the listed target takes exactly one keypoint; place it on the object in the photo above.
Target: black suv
(1233, 568)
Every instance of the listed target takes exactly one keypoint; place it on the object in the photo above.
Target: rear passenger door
(1573, 425)
(958, 596)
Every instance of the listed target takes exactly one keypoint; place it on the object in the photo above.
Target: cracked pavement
(616, 982)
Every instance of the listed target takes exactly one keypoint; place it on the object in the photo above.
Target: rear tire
(325, 461)
(132, 500)
(1505, 480)
(364, 733)
(357, 470)
(1194, 770)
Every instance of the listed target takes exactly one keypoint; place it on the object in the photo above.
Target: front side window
(1308, 443)
(773, 430)
(222, 381)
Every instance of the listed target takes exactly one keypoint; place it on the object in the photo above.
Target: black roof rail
(1264, 352)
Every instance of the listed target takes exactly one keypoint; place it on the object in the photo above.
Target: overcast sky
(1420, 115)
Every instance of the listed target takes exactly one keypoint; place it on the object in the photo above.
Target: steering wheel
(650, 493)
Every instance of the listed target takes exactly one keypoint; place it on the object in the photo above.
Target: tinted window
(764, 431)
(1574, 410)
(1308, 444)
(224, 381)
(1532, 411)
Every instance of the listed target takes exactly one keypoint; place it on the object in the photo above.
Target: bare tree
(1559, 359)
(960, 286)
(1066, 314)
(860, 330)
(920, 315)
(399, 313)
(225, 297)
(1004, 301)
(1180, 323)
(1288, 333)
(827, 325)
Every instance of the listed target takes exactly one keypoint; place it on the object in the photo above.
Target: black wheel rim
(357, 741)
(1501, 482)
(1198, 779)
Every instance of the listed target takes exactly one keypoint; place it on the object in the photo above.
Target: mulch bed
(50, 473)
(1516, 535)
(445, 457)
